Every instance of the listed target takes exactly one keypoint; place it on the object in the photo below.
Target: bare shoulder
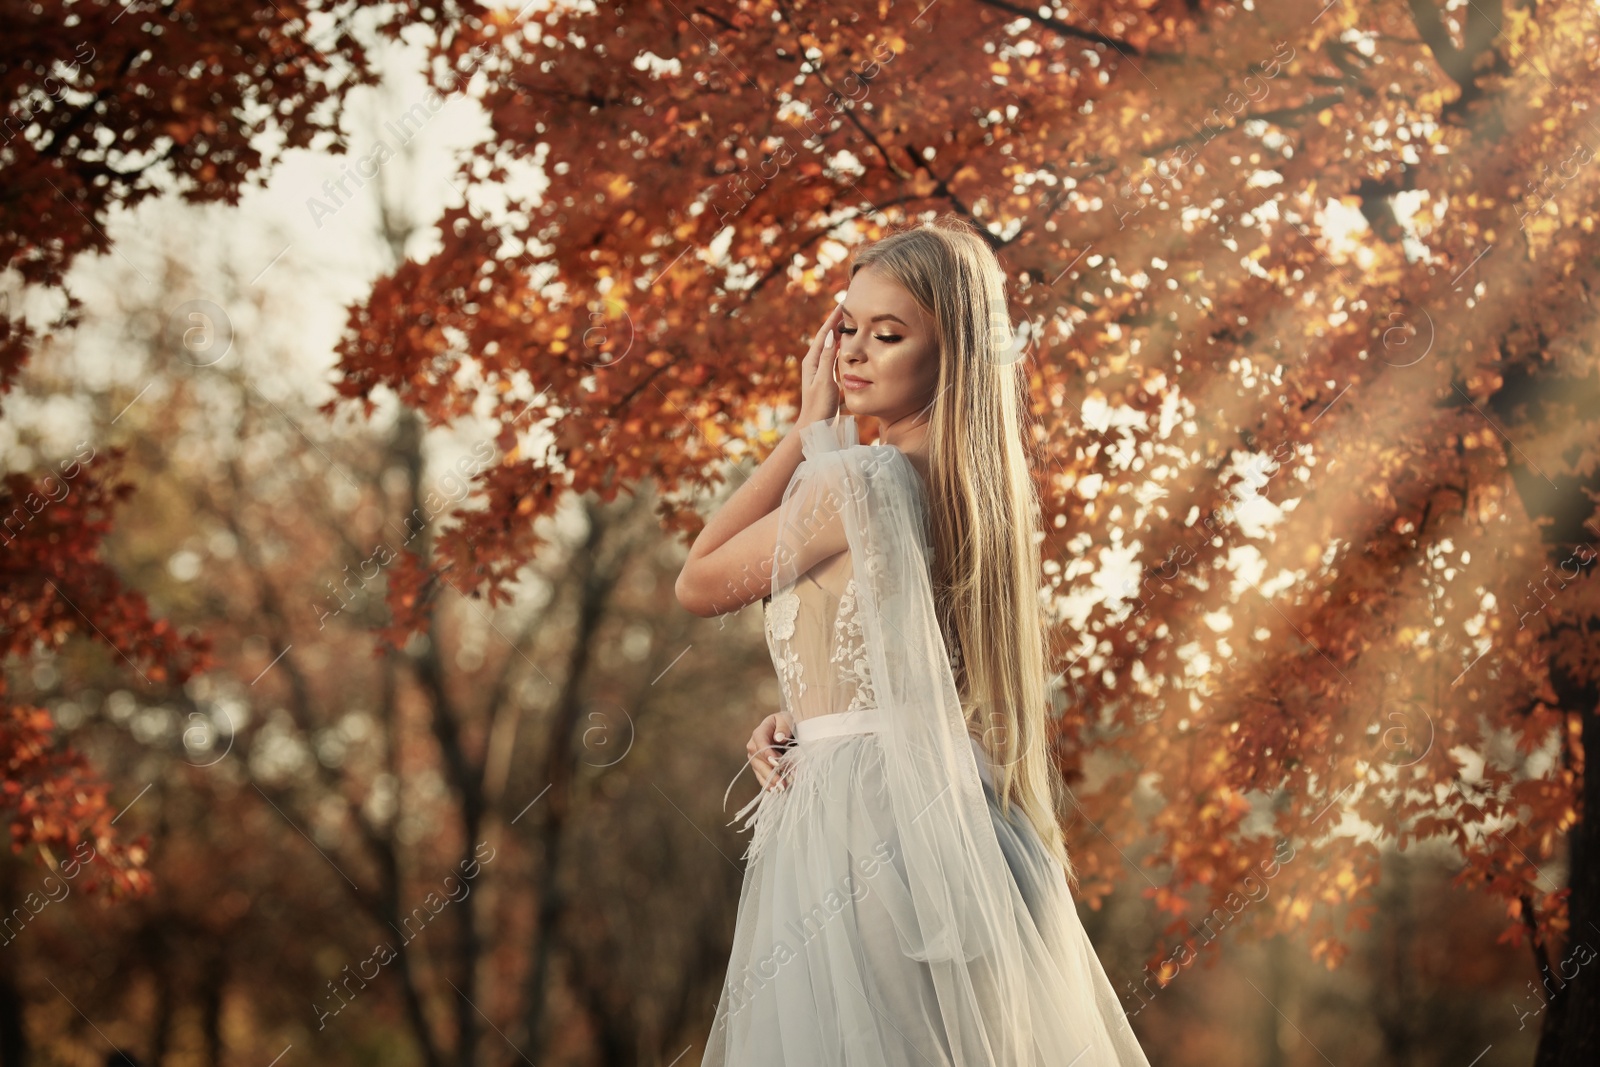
(919, 463)
(914, 463)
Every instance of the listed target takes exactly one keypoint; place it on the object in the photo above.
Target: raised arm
(730, 563)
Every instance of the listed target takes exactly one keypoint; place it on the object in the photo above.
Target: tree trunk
(13, 1038)
(594, 579)
(1271, 1023)
(211, 1008)
(1394, 1003)
(1561, 502)
(166, 1000)
(1571, 1033)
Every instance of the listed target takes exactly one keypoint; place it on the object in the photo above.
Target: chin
(851, 406)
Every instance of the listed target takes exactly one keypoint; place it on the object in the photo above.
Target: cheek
(911, 374)
(928, 368)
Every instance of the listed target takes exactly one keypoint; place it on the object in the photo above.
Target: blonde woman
(906, 893)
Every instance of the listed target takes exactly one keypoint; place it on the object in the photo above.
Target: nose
(850, 348)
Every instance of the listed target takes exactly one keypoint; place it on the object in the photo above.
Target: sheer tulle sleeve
(1008, 993)
(812, 517)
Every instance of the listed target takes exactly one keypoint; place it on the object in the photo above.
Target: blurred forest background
(368, 369)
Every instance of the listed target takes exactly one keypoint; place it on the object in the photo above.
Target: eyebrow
(880, 318)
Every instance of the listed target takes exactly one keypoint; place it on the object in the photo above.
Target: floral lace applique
(782, 610)
(850, 651)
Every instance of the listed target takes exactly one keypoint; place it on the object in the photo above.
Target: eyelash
(886, 340)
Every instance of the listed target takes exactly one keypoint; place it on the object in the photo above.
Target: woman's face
(888, 341)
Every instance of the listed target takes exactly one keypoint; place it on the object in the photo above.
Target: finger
(818, 341)
(780, 774)
(821, 337)
(822, 334)
(764, 732)
(828, 388)
(771, 774)
(812, 350)
(828, 324)
(823, 366)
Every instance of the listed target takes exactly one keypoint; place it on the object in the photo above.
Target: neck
(909, 433)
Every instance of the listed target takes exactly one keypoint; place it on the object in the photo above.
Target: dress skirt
(818, 976)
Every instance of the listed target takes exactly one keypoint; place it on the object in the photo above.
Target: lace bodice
(817, 644)
(813, 625)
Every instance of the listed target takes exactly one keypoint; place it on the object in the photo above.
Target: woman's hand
(819, 392)
(766, 744)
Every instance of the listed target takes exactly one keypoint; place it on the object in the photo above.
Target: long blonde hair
(984, 510)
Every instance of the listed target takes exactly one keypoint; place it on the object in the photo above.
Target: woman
(905, 898)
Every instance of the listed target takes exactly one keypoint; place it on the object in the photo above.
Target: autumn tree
(93, 117)
(1305, 292)
(312, 747)
(101, 107)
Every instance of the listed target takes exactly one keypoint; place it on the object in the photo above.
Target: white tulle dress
(890, 915)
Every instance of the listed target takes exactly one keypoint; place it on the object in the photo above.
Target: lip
(850, 381)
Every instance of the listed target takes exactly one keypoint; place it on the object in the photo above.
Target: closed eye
(891, 339)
